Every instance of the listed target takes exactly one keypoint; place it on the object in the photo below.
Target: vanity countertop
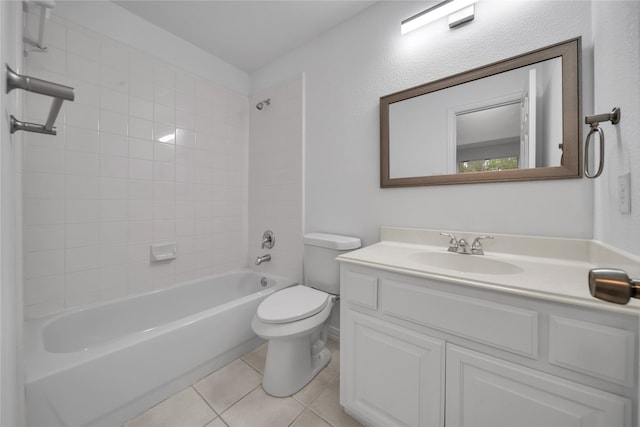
(554, 269)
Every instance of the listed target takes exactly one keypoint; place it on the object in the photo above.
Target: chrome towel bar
(594, 121)
(58, 92)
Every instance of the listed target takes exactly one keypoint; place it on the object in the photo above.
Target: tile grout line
(321, 417)
(308, 407)
(205, 401)
(252, 367)
(238, 401)
(297, 417)
(219, 414)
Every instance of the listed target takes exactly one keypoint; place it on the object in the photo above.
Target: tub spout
(263, 258)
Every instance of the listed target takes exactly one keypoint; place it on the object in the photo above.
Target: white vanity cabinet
(396, 377)
(486, 391)
(416, 351)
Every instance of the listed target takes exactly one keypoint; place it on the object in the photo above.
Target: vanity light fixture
(459, 11)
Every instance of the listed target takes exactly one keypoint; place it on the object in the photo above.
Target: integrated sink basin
(480, 264)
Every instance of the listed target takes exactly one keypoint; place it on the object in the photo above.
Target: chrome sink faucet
(453, 242)
(461, 246)
(464, 247)
(476, 247)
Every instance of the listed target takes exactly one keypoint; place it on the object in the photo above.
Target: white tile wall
(101, 192)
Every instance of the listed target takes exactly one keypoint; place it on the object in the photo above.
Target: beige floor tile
(216, 423)
(325, 377)
(258, 409)
(309, 419)
(334, 348)
(185, 409)
(257, 357)
(227, 385)
(317, 385)
(327, 406)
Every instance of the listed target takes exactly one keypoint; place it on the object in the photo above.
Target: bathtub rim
(40, 363)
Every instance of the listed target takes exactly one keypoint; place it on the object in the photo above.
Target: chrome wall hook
(594, 121)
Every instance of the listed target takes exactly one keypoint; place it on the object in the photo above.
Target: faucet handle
(476, 246)
(453, 242)
(268, 240)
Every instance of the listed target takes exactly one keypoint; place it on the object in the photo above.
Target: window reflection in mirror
(488, 165)
(488, 139)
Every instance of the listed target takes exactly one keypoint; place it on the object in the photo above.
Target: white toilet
(295, 319)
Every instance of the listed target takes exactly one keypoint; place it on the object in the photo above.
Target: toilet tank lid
(332, 241)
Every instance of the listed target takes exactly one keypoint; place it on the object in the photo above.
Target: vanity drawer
(600, 351)
(510, 328)
(361, 289)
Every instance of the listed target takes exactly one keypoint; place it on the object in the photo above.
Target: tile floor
(233, 396)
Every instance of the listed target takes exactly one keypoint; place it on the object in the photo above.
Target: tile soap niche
(163, 252)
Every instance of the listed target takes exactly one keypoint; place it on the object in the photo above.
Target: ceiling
(246, 34)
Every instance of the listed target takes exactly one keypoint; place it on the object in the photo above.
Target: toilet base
(290, 366)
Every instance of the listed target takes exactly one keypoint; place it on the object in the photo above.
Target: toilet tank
(321, 270)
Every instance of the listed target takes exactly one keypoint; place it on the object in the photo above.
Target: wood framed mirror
(512, 120)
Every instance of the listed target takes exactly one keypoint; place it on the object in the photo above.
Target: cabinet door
(484, 391)
(391, 376)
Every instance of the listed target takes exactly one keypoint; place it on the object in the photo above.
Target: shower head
(260, 105)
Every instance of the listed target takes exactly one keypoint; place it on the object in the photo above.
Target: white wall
(276, 177)
(616, 44)
(11, 359)
(351, 66)
(105, 189)
(119, 24)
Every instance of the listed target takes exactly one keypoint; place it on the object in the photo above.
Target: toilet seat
(291, 304)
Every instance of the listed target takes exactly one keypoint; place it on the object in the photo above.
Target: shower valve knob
(268, 240)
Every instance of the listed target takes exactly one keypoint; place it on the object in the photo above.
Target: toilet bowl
(295, 320)
(297, 338)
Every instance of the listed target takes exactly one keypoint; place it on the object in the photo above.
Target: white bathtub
(102, 365)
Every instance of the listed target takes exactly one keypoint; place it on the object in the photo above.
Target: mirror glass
(517, 119)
